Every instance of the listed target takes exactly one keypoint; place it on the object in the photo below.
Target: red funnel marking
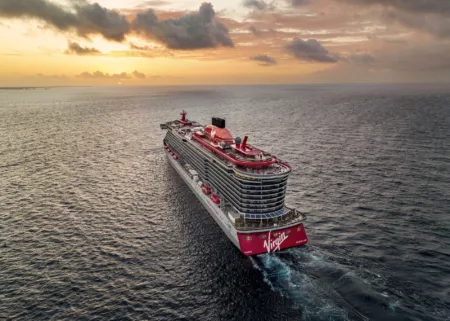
(244, 143)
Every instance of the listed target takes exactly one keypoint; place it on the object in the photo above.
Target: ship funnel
(218, 122)
(244, 143)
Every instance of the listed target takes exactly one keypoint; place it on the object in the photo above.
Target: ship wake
(312, 296)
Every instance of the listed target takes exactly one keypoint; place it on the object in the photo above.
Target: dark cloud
(298, 3)
(141, 48)
(56, 15)
(261, 32)
(417, 6)
(255, 4)
(83, 17)
(95, 19)
(101, 75)
(192, 31)
(195, 30)
(255, 31)
(430, 16)
(139, 75)
(310, 50)
(264, 60)
(74, 48)
(431, 23)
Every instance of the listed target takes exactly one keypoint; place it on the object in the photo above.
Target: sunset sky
(138, 42)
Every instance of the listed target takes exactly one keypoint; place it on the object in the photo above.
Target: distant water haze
(95, 223)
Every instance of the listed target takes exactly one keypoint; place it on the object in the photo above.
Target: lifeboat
(216, 199)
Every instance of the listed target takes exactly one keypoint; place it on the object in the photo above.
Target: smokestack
(218, 122)
(244, 143)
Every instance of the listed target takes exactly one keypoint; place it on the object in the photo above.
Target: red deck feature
(216, 199)
(235, 161)
(183, 119)
(219, 134)
(266, 242)
(248, 151)
(206, 189)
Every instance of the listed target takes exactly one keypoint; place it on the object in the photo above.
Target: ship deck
(248, 165)
(254, 165)
(263, 222)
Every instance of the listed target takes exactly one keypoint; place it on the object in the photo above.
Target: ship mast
(183, 115)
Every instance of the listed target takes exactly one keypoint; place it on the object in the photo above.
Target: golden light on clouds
(128, 43)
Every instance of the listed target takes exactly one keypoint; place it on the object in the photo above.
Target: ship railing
(292, 217)
(276, 170)
(265, 172)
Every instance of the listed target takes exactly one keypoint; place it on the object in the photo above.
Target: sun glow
(174, 45)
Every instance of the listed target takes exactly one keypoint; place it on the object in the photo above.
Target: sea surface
(96, 225)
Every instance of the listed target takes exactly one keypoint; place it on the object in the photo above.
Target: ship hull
(249, 242)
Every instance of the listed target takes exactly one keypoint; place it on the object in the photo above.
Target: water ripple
(96, 225)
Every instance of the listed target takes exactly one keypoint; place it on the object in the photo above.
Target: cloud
(121, 76)
(310, 50)
(389, 39)
(255, 4)
(430, 16)
(75, 49)
(101, 75)
(431, 23)
(139, 75)
(264, 60)
(255, 31)
(55, 77)
(196, 30)
(40, 9)
(298, 3)
(359, 58)
(83, 17)
(141, 48)
(423, 56)
(192, 31)
(153, 3)
(259, 32)
(95, 19)
(417, 6)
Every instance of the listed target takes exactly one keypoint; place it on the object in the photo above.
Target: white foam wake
(306, 293)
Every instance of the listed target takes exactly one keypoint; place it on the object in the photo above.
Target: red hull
(276, 240)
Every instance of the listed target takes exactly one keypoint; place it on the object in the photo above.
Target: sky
(165, 42)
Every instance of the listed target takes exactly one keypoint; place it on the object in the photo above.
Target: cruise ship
(242, 187)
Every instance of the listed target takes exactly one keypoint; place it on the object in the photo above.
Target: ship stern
(253, 243)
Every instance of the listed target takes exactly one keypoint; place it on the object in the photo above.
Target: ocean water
(96, 225)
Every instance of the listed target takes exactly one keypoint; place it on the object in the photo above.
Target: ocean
(96, 225)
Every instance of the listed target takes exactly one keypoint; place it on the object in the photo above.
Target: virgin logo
(275, 244)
